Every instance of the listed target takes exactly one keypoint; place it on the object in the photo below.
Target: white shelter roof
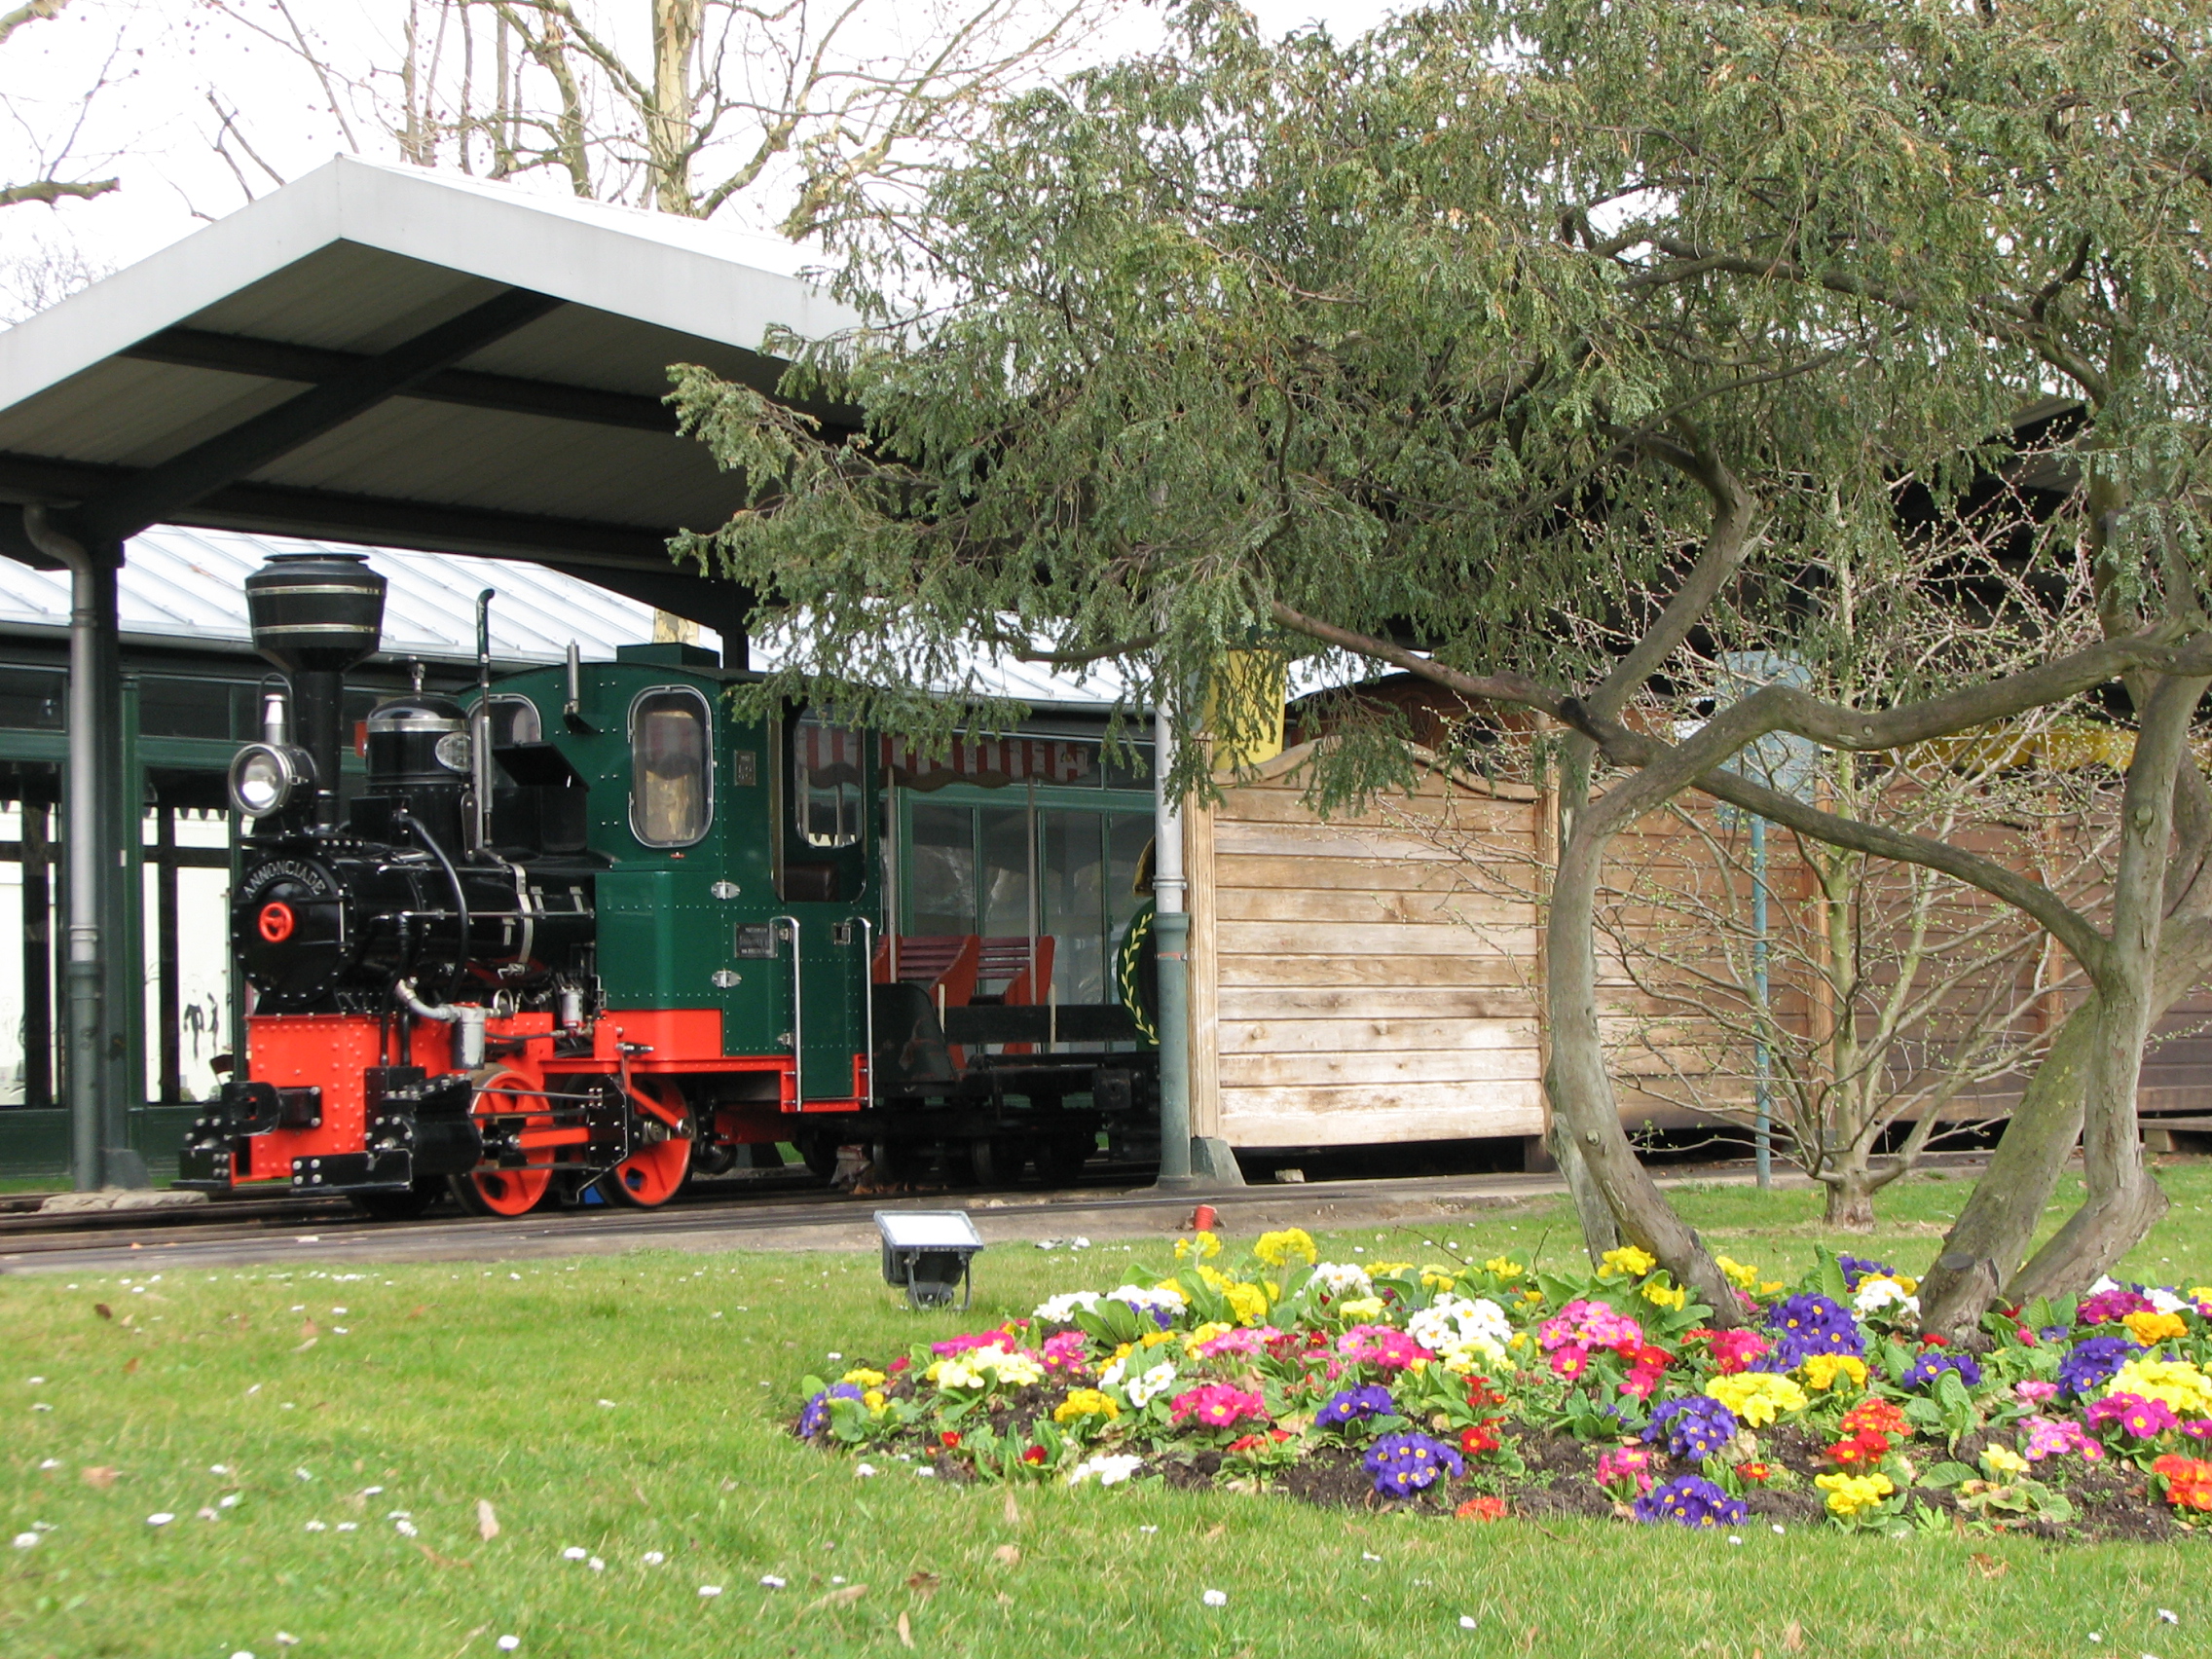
(548, 441)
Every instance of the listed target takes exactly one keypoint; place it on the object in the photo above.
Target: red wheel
(650, 1177)
(488, 1190)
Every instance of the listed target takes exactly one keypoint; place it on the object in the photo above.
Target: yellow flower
(2176, 1382)
(2151, 1329)
(1848, 1495)
(1822, 1370)
(1361, 1308)
(1742, 1274)
(1213, 1276)
(872, 1399)
(1085, 1403)
(1174, 1287)
(1277, 1249)
(1519, 1340)
(1435, 1276)
(1205, 1244)
(1153, 1339)
(1756, 1396)
(1504, 1267)
(1206, 1333)
(1628, 1261)
(1122, 1353)
(2002, 1460)
(1664, 1295)
(2200, 1293)
(866, 1377)
(1532, 1296)
(1376, 1268)
(1770, 1287)
(1248, 1302)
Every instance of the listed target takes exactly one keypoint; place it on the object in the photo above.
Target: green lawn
(637, 1404)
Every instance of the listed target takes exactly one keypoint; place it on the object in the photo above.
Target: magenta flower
(1380, 1345)
(2145, 1419)
(2110, 1306)
(1065, 1352)
(2197, 1428)
(1628, 1464)
(1735, 1351)
(1590, 1325)
(1570, 1361)
(1216, 1405)
(1246, 1343)
(2034, 1392)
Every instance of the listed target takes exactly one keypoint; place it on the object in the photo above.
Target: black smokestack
(316, 615)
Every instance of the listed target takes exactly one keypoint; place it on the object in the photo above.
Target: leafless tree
(795, 108)
(50, 130)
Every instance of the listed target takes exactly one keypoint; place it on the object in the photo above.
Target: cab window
(670, 785)
(826, 784)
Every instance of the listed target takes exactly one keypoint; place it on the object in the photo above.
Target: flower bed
(1483, 1391)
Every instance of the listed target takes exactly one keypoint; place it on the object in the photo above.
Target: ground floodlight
(927, 1252)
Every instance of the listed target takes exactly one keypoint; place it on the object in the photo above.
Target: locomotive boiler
(583, 934)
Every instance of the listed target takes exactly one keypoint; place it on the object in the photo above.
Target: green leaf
(1943, 1475)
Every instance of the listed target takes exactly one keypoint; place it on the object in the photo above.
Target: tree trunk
(1850, 1189)
(1583, 1107)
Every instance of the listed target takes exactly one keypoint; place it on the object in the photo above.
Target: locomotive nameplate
(744, 768)
(755, 942)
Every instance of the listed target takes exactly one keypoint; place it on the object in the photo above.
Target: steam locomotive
(584, 935)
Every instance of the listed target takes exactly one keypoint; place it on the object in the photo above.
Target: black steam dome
(315, 611)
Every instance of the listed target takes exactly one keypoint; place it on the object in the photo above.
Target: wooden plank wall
(1347, 998)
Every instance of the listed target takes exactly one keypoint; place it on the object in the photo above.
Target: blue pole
(1763, 1094)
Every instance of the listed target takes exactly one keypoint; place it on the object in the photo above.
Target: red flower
(1933, 1342)
(2189, 1481)
(898, 1365)
(1758, 1474)
(1248, 1443)
(948, 1439)
(1878, 1415)
(1035, 1454)
(1482, 1509)
(1481, 1394)
(1481, 1438)
(1868, 1446)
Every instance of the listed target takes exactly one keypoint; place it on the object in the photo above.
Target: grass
(451, 1384)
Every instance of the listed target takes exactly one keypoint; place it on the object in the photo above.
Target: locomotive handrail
(430, 842)
(868, 1004)
(799, 1017)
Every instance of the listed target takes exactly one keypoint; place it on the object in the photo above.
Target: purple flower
(814, 1418)
(1807, 1325)
(2094, 1360)
(1692, 1428)
(1924, 1371)
(1692, 1500)
(2145, 1419)
(2108, 1306)
(1356, 1405)
(1857, 1268)
(1402, 1464)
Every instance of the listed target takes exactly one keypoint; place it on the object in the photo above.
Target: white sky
(167, 67)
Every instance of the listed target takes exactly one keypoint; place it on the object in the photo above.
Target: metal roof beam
(271, 509)
(162, 492)
(277, 360)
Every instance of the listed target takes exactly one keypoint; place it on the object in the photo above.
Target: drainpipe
(88, 1158)
(1171, 936)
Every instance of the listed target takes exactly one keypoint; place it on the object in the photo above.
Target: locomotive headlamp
(265, 776)
(927, 1252)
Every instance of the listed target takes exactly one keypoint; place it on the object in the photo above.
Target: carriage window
(514, 719)
(826, 784)
(669, 786)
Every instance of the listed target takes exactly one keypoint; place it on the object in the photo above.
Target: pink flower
(1247, 1344)
(1570, 1361)
(1004, 1337)
(1591, 1324)
(2048, 1437)
(1216, 1405)
(2145, 1419)
(1380, 1345)
(1626, 1464)
(2197, 1428)
(2033, 1391)
(2110, 1306)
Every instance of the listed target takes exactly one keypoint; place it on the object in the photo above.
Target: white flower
(1154, 1382)
(405, 1529)
(1342, 1278)
(955, 1374)
(1060, 1310)
(229, 1500)
(1876, 1294)
(1454, 1322)
(1466, 1621)
(286, 1638)
(710, 1589)
(1108, 1469)
(348, 1525)
(303, 1474)
(769, 1581)
(317, 1527)
(26, 1540)
(925, 1471)
(653, 1558)
(596, 1564)
(160, 1518)
(1154, 1296)
(2105, 1282)
(50, 1463)
(2166, 1302)
(861, 1471)
(1215, 1598)
(242, 1653)
(218, 1468)
(509, 1643)
(575, 1552)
